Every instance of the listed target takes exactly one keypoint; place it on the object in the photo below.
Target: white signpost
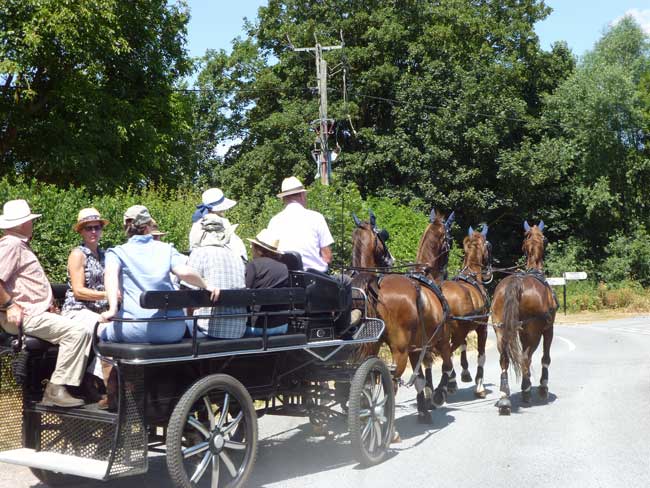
(567, 276)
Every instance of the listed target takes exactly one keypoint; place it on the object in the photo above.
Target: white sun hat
(291, 186)
(15, 213)
(216, 200)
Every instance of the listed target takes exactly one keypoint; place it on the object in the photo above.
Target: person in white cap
(300, 229)
(25, 301)
(213, 201)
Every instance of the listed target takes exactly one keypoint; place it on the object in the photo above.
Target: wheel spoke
(200, 470)
(232, 425)
(377, 428)
(198, 426)
(194, 450)
(364, 413)
(366, 431)
(238, 446)
(381, 419)
(214, 482)
(371, 447)
(208, 407)
(224, 410)
(368, 396)
(381, 402)
(229, 464)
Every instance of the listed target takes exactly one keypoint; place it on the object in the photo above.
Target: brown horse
(412, 311)
(466, 295)
(434, 247)
(523, 313)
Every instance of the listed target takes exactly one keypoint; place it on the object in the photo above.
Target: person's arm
(112, 285)
(326, 254)
(187, 274)
(13, 310)
(76, 269)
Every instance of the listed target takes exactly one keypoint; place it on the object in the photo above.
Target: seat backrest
(291, 259)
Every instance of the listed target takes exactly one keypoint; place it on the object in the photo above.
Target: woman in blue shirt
(144, 264)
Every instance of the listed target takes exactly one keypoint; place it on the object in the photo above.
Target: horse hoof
(525, 396)
(452, 388)
(439, 398)
(542, 391)
(396, 438)
(479, 393)
(504, 410)
(425, 418)
(466, 377)
(504, 406)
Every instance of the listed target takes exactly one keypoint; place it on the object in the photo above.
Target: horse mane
(431, 243)
(533, 247)
(473, 254)
(357, 247)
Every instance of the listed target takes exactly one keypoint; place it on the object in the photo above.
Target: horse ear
(485, 229)
(450, 220)
(357, 222)
(470, 231)
(540, 226)
(432, 215)
(526, 226)
(373, 219)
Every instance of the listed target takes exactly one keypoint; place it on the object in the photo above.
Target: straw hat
(266, 239)
(131, 212)
(87, 215)
(291, 186)
(15, 213)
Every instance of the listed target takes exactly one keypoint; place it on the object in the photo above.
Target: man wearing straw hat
(25, 301)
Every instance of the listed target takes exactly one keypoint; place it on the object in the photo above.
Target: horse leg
(458, 339)
(481, 333)
(542, 391)
(529, 340)
(428, 382)
(440, 395)
(424, 417)
(465, 375)
(504, 405)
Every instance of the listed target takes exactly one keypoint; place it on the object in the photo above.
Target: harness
(476, 316)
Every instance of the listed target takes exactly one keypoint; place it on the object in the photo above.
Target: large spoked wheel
(212, 435)
(371, 415)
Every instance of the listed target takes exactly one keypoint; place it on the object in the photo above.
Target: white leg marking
(545, 365)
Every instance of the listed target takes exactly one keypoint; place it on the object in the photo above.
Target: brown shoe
(91, 388)
(58, 396)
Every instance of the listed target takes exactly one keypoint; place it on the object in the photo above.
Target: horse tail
(512, 324)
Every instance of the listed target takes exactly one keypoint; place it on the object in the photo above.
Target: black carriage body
(280, 373)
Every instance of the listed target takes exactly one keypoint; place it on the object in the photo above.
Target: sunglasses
(93, 228)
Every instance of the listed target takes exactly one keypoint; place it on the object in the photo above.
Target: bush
(629, 258)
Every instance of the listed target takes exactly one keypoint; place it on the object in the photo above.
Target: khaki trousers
(88, 319)
(74, 340)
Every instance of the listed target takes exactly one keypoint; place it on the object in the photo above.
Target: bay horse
(466, 294)
(411, 309)
(523, 313)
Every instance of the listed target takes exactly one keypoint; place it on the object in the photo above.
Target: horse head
(369, 248)
(534, 245)
(478, 254)
(433, 250)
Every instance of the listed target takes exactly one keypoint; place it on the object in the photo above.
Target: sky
(214, 23)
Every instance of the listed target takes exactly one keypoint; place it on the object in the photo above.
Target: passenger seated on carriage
(26, 300)
(214, 259)
(143, 264)
(265, 271)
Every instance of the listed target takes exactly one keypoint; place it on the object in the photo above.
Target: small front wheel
(212, 434)
(371, 415)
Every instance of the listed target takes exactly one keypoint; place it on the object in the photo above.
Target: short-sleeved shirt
(267, 273)
(144, 265)
(304, 231)
(220, 267)
(23, 276)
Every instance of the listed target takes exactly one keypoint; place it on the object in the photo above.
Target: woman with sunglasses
(86, 297)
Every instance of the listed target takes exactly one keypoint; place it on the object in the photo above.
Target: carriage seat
(291, 259)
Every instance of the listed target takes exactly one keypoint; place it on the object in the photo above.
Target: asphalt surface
(593, 431)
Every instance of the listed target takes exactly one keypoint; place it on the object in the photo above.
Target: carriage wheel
(371, 416)
(212, 434)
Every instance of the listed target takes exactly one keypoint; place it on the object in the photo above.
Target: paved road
(594, 430)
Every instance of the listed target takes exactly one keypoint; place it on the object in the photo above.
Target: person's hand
(107, 316)
(15, 315)
(214, 293)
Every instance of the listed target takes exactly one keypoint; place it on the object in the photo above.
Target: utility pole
(324, 155)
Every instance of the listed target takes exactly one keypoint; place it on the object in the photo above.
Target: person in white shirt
(300, 229)
(214, 201)
(305, 232)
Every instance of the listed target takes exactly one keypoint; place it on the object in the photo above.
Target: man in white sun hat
(300, 229)
(25, 301)
(213, 201)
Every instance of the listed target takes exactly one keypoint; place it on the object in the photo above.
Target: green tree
(86, 91)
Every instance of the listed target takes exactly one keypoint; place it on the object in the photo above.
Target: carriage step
(60, 463)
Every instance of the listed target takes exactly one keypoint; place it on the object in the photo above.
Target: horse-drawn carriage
(198, 401)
